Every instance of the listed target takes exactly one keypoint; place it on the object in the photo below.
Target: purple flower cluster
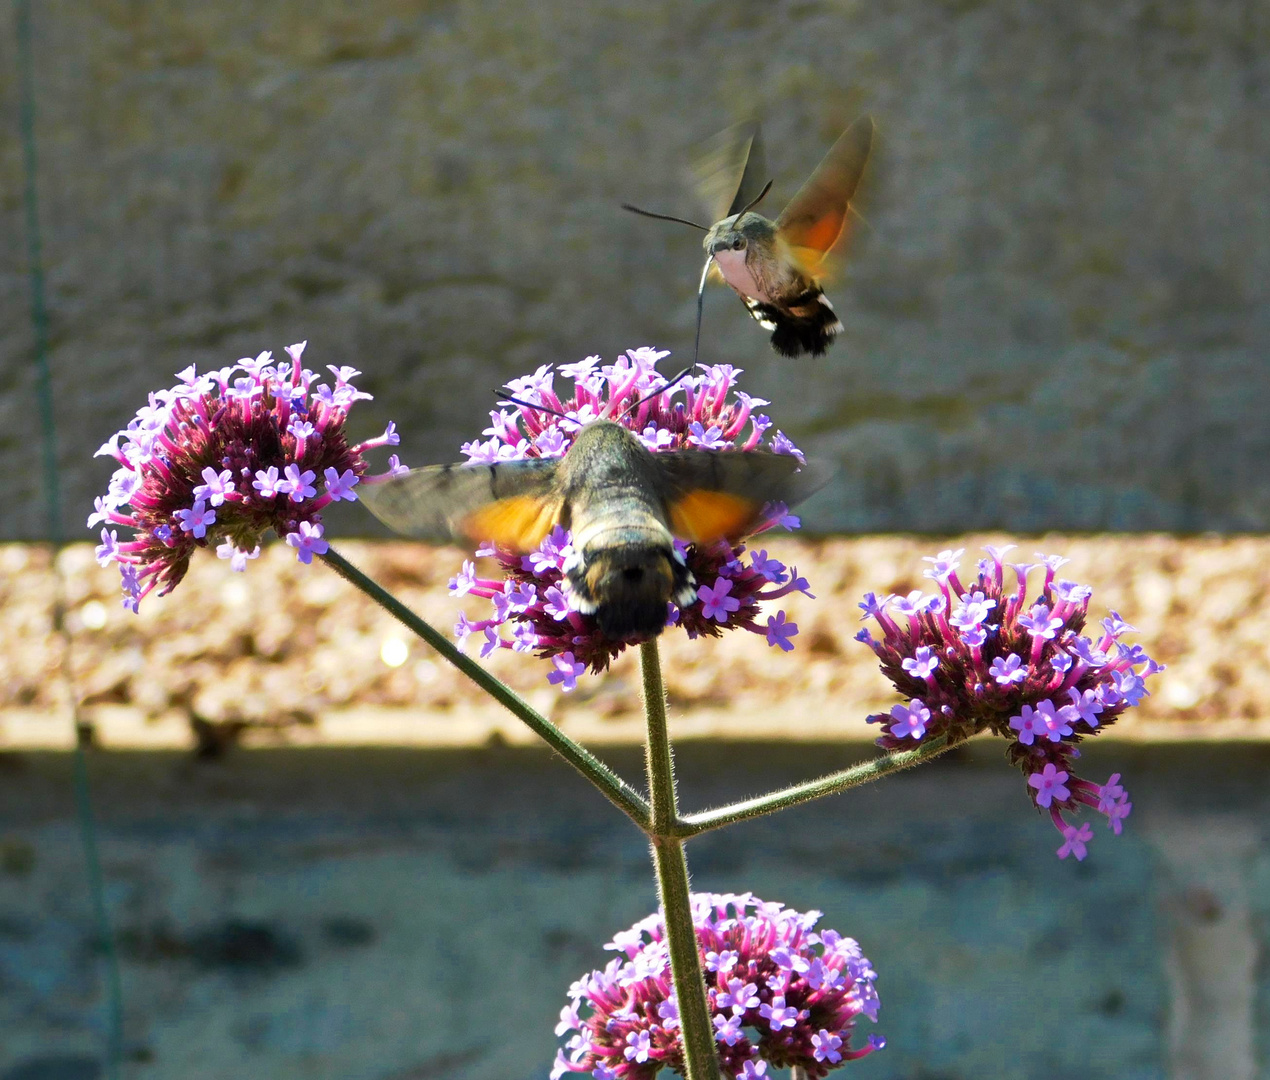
(986, 657)
(225, 458)
(780, 994)
(532, 600)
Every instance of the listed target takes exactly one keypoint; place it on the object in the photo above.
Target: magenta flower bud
(794, 1003)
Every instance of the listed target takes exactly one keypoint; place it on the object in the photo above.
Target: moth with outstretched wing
(624, 504)
(778, 267)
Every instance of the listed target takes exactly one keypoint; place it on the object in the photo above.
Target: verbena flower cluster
(988, 657)
(223, 457)
(780, 994)
(532, 601)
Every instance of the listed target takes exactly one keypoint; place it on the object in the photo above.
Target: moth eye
(738, 244)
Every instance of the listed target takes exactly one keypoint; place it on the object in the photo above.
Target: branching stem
(700, 1060)
(611, 786)
(864, 773)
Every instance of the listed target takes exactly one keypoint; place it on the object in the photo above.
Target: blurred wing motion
(731, 169)
(816, 218)
(778, 267)
(725, 495)
(514, 503)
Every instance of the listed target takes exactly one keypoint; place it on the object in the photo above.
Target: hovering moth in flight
(777, 267)
(624, 504)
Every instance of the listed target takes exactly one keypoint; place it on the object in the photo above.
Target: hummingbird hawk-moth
(624, 504)
(777, 267)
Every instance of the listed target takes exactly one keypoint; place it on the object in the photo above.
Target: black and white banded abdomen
(805, 324)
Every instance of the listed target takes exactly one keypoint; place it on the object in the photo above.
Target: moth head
(737, 233)
(628, 587)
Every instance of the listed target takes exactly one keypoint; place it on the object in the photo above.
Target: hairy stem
(611, 786)
(695, 824)
(700, 1060)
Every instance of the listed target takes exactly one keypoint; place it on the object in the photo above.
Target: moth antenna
(526, 405)
(696, 347)
(664, 217)
(860, 217)
(757, 199)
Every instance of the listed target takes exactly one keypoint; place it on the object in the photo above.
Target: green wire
(35, 257)
(52, 488)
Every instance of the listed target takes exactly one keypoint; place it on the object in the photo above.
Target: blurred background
(1056, 316)
(321, 856)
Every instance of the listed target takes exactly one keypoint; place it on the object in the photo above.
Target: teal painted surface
(399, 914)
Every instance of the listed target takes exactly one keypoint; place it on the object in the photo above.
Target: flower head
(701, 411)
(794, 1003)
(1016, 666)
(220, 459)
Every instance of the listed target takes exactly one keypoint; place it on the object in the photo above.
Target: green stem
(695, 824)
(611, 786)
(700, 1060)
(101, 919)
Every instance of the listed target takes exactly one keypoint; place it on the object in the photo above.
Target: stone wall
(1056, 316)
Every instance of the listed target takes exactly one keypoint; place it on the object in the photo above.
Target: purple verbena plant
(780, 993)
(219, 458)
(532, 599)
(986, 657)
(225, 458)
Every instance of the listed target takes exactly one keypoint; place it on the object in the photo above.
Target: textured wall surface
(1057, 317)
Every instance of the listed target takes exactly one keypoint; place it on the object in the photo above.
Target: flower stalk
(695, 824)
(671, 866)
(610, 785)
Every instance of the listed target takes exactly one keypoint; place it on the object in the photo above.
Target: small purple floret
(566, 671)
(780, 630)
(716, 603)
(308, 541)
(196, 520)
(922, 663)
(340, 485)
(1074, 841)
(1049, 784)
(909, 720)
(299, 484)
(215, 486)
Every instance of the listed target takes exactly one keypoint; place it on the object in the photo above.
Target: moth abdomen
(805, 324)
(628, 586)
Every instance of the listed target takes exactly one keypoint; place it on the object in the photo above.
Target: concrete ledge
(287, 655)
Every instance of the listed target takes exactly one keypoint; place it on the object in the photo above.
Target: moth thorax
(627, 587)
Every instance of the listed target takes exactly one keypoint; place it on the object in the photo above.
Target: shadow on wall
(364, 912)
